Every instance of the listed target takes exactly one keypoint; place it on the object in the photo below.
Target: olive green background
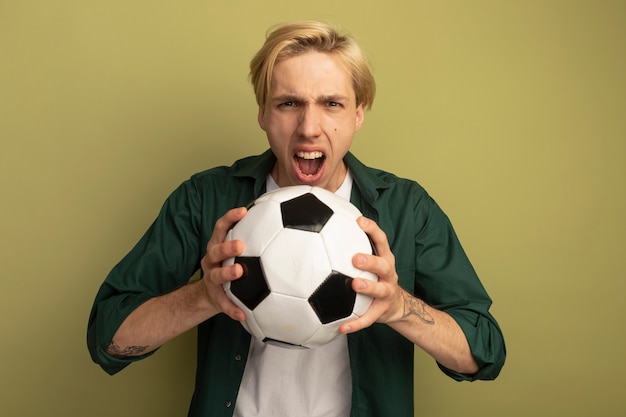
(510, 113)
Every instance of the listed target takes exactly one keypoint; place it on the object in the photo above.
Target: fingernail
(360, 260)
(233, 271)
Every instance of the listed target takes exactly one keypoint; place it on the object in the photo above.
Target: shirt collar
(257, 168)
(367, 182)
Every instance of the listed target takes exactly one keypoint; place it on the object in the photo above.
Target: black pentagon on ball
(252, 287)
(305, 212)
(334, 298)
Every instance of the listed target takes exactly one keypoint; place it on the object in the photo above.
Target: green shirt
(430, 263)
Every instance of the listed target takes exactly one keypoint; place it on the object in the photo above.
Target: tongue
(309, 166)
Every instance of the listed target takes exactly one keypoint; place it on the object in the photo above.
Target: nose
(309, 123)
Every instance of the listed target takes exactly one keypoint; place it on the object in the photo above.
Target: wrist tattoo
(116, 351)
(415, 307)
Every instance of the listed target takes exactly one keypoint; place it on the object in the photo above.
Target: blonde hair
(293, 39)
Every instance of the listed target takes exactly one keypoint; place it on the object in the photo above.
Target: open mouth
(309, 163)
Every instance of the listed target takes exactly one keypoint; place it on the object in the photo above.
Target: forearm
(436, 332)
(161, 319)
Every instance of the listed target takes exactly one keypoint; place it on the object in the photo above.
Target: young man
(312, 86)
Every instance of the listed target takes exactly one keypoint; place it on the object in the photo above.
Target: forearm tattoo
(416, 307)
(115, 350)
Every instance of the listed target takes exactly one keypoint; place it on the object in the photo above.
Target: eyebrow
(334, 97)
(297, 99)
(285, 97)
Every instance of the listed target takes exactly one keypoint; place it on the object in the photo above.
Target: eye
(333, 104)
(287, 104)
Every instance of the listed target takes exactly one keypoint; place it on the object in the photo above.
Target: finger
(361, 286)
(360, 323)
(213, 269)
(220, 231)
(222, 275)
(224, 223)
(217, 253)
(224, 303)
(231, 309)
(217, 249)
(381, 266)
(373, 289)
(376, 234)
(236, 313)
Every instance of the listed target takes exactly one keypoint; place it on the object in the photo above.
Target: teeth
(310, 155)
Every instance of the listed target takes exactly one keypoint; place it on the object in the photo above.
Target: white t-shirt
(281, 382)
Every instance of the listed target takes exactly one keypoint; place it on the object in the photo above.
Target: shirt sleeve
(164, 259)
(446, 280)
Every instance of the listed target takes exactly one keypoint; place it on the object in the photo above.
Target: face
(310, 120)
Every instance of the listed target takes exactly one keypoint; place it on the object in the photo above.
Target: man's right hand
(214, 275)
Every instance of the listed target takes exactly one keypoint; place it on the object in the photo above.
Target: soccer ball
(296, 286)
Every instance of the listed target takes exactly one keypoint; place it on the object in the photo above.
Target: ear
(360, 117)
(260, 117)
